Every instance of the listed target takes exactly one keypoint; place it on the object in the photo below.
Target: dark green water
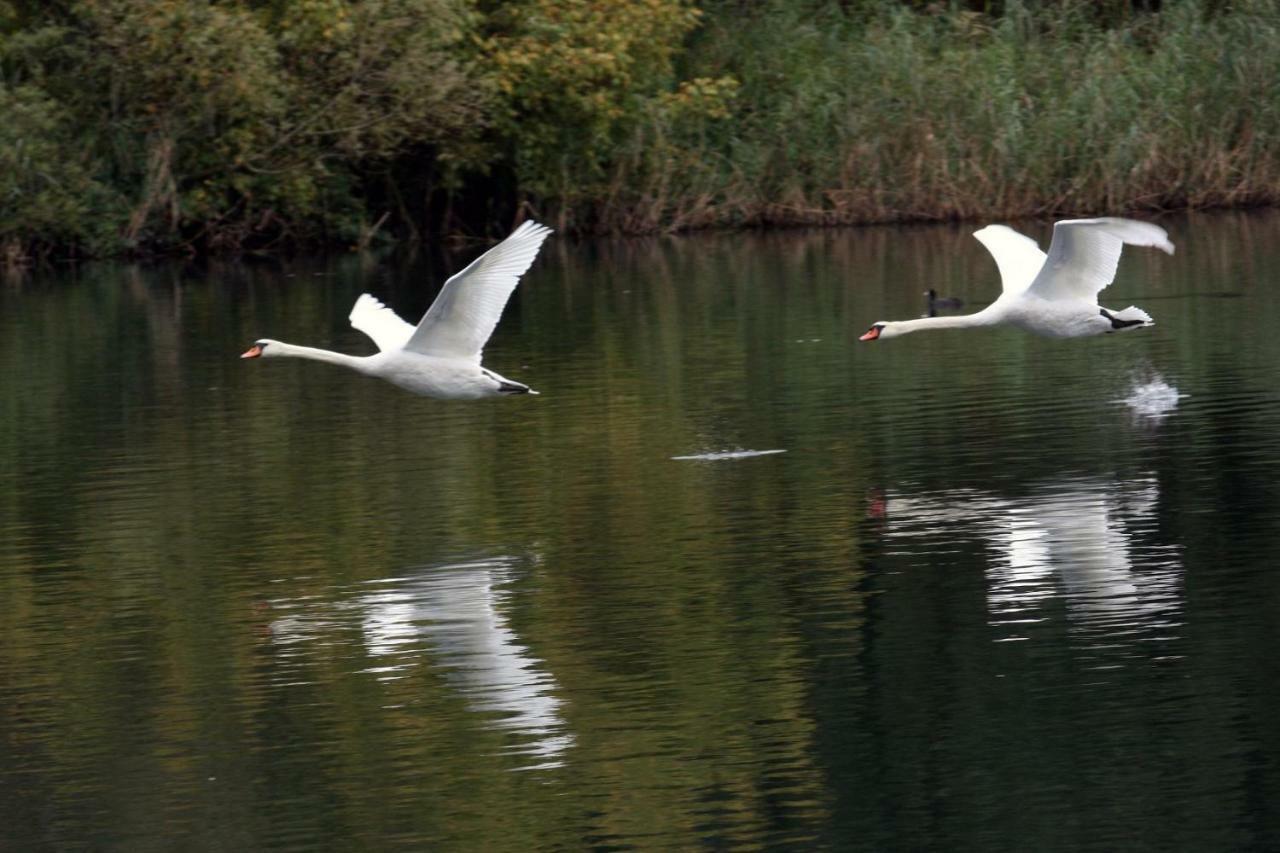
(999, 593)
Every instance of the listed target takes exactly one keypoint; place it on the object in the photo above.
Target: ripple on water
(964, 577)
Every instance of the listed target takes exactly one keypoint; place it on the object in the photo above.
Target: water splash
(719, 455)
(1153, 398)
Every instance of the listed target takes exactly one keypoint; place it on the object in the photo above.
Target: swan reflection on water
(1081, 541)
(456, 612)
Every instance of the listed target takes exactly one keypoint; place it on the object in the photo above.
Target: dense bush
(190, 125)
(222, 124)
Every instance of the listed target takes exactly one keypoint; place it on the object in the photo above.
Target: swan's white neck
(986, 317)
(278, 349)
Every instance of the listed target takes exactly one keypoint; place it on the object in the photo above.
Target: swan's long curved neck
(352, 362)
(986, 317)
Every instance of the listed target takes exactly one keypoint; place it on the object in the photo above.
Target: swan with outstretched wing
(1054, 294)
(440, 357)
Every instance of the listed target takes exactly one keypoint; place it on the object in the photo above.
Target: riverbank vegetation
(142, 126)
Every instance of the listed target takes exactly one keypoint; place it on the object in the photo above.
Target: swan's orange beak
(254, 352)
(871, 335)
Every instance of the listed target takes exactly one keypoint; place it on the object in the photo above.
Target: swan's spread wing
(380, 323)
(1084, 254)
(1017, 255)
(464, 314)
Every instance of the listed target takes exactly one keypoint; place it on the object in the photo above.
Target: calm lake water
(998, 593)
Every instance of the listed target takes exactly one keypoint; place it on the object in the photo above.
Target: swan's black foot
(506, 386)
(509, 387)
(1117, 325)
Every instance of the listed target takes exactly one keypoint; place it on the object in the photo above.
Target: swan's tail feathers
(1134, 313)
(1129, 318)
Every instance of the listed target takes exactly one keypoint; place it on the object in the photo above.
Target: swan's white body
(1054, 295)
(440, 357)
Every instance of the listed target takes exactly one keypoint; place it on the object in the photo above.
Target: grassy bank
(181, 125)
(958, 115)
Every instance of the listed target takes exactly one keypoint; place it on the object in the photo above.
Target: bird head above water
(875, 332)
(263, 348)
(936, 301)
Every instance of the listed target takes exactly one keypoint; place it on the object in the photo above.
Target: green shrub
(221, 125)
(48, 194)
(161, 125)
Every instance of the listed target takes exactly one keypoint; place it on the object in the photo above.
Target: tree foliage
(162, 125)
(225, 124)
(577, 77)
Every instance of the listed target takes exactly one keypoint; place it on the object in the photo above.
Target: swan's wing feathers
(465, 313)
(1085, 252)
(379, 322)
(1018, 257)
(1131, 231)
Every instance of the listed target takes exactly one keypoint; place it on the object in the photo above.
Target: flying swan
(1054, 295)
(441, 356)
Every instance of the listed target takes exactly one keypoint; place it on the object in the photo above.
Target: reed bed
(956, 115)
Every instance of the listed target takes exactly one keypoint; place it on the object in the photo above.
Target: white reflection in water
(1077, 541)
(456, 612)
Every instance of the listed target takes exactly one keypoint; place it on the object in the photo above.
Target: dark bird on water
(936, 302)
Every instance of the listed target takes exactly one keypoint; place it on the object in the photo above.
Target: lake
(987, 591)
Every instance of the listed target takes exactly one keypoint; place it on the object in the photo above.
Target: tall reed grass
(953, 114)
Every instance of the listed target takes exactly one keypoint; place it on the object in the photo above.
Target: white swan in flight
(1054, 295)
(440, 357)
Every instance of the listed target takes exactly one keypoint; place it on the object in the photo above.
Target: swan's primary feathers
(1055, 295)
(440, 357)
(1084, 254)
(465, 313)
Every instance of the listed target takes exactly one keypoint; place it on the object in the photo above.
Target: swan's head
(262, 348)
(877, 331)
